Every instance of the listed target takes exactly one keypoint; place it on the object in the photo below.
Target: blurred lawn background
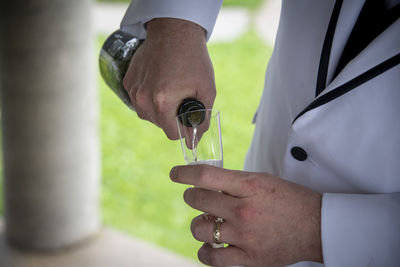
(137, 195)
(250, 4)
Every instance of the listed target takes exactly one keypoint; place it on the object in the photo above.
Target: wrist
(313, 248)
(175, 28)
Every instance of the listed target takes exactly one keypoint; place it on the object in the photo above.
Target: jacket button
(299, 153)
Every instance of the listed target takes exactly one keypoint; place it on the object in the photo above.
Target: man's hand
(172, 64)
(268, 221)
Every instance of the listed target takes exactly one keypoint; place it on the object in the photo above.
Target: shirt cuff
(360, 230)
(201, 12)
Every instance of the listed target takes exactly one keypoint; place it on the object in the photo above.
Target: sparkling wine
(194, 143)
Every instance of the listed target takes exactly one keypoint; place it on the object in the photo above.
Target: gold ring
(217, 232)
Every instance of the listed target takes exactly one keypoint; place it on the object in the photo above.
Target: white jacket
(345, 143)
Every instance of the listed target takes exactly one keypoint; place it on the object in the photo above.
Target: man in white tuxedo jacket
(321, 184)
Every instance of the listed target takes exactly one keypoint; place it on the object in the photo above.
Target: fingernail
(188, 196)
(172, 173)
(185, 195)
(203, 254)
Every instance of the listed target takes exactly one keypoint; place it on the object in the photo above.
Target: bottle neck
(191, 112)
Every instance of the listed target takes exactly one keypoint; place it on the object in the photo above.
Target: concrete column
(49, 123)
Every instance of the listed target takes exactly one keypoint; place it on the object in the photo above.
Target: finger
(228, 256)
(132, 96)
(139, 112)
(166, 102)
(202, 228)
(212, 202)
(142, 115)
(170, 123)
(235, 183)
(145, 104)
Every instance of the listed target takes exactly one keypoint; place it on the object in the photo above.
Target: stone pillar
(49, 123)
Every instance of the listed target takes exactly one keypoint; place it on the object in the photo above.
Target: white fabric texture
(352, 142)
(361, 230)
(203, 13)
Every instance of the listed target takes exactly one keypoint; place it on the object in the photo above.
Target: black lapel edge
(326, 49)
(352, 84)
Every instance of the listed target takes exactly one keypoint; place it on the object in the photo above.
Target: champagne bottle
(192, 112)
(114, 59)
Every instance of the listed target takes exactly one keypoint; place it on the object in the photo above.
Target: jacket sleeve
(361, 230)
(201, 12)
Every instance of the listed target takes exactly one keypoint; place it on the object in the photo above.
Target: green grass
(137, 195)
(251, 4)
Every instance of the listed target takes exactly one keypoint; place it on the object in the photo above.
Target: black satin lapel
(353, 84)
(326, 49)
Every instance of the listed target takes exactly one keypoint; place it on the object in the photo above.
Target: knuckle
(246, 212)
(248, 236)
(204, 174)
(194, 230)
(252, 184)
(141, 97)
(132, 90)
(240, 212)
(140, 115)
(126, 84)
(160, 100)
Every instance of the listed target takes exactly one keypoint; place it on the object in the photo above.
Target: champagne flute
(201, 139)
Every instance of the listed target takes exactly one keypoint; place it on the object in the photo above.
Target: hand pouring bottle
(115, 56)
